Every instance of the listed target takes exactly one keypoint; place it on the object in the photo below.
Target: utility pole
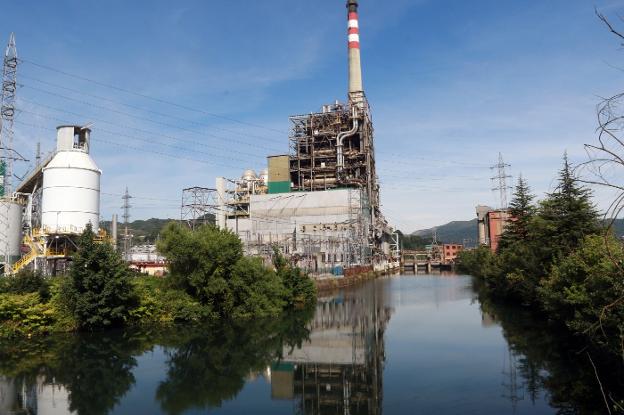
(500, 181)
(126, 217)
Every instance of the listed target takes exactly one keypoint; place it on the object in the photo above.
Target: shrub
(585, 291)
(24, 282)
(299, 289)
(25, 314)
(158, 303)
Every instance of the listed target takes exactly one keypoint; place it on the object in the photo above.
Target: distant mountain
(460, 231)
(454, 232)
(618, 227)
(142, 230)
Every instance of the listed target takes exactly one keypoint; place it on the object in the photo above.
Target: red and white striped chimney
(355, 65)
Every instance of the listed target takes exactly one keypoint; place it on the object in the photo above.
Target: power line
(138, 94)
(145, 119)
(151, 133)
(146, 140)
(140, 149)
(143, 109)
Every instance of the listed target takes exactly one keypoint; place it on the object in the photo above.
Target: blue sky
(451, 83)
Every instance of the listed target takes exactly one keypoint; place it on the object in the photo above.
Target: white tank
(264, 176)
(249, 175)
(71, 185)
(8, 395)
(13, 232)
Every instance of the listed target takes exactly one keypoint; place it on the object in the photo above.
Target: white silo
(11, 234)
(71, 184)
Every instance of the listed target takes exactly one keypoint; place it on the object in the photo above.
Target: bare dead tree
(603, 18)
(605, 166)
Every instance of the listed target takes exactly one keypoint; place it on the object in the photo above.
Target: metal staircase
(36, 249)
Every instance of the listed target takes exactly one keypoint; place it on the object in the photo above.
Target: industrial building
(53, 205)
(320, 202)
(42, 216)
(491, 224)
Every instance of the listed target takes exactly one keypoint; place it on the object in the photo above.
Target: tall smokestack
(355, 65)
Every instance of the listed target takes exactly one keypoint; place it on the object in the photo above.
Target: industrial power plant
(318, 203)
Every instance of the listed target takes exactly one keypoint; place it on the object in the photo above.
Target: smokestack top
(353, 34)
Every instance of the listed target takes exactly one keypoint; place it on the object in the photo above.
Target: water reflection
(550, 364)
(203, 370)
(67, 374)
(339, 369)
(90, 374)
(411, 344)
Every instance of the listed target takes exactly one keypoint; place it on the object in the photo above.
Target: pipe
(314, 182)
(339, 143)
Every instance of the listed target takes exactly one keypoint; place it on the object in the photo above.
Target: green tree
(201, 261)
(256, 291)
(98, 292)
(522, 211)
(208, 263)
(567, 216)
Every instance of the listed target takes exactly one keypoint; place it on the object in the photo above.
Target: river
(409, 344)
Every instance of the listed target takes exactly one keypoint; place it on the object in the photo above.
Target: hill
(143, 231)
(466, 231)
(453, 232)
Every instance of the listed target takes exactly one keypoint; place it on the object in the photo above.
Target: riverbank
(557, 259)
(210, 279)
(355, 275)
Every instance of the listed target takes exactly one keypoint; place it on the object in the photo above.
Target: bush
(25, 314)
(299, 289)
(24, 282)
(98, 292)
(585, 291)
(160, 304)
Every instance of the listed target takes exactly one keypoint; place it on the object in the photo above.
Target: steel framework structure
(334, 149)
(199, 205)
(7, 154)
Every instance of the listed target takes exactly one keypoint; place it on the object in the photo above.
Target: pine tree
(521, 210)
(568, 214)
(98, 292)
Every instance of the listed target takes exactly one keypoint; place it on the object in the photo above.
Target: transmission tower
(7, 113)
(199, 205)
(126, 217)
(500, 181)
(7, 154)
